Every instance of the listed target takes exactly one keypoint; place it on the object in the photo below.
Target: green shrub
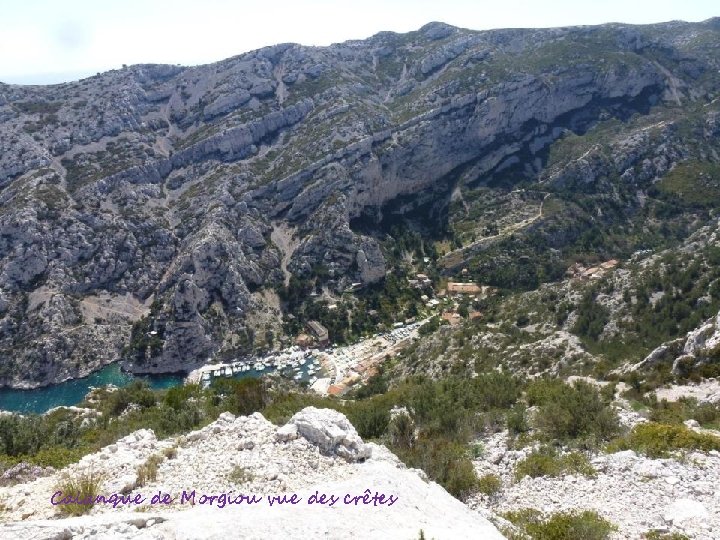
(578, 463)
(177, 396)
(56, 456)
(137, 392)
(241, 396)
(147, 472)
(449, 406)
(607, 392)
(85, 487)
(676, 412)
(489, 484)
(284, 405)
(26, 435)
(495, 390)
(376, 384)
(543, 462)
(477, 450)
(659, 440)
(446, 462)
(574, 525)
(429, 327)
(50, 440)
(546, 462)
(587, 525)
(240, 475)
(591, 317)
(522, 517)
(655, 535)
(370, 418)
(460, 478)
(517, 420)
(543, 391)
(569, 413)
(401, 431)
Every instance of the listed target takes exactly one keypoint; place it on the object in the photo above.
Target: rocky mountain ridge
(166, 183)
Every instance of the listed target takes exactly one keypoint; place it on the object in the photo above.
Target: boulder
(288, 432)
(685, 509)
(331, 431)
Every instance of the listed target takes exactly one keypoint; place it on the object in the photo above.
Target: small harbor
(332, 370)
(293, 363)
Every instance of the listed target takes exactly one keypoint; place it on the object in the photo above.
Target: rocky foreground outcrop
(316, 452)
(637, 493)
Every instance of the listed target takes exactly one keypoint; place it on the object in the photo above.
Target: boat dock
(292, 362)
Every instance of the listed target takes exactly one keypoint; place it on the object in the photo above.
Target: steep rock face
(162, 182)
(698, 347)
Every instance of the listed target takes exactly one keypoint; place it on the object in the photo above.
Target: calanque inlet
(446, 284)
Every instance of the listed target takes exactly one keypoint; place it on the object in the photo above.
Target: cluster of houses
(464, 288)
(457, 290)
(360, 361)
(421, 281)
(316, 336)
(579, 271)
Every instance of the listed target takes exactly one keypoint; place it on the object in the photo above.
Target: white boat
(297, 376)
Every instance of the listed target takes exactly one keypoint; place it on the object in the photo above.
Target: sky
(51, 41)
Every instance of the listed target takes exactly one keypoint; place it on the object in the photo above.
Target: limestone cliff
(164, 183)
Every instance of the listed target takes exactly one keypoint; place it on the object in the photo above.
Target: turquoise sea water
(40, 400)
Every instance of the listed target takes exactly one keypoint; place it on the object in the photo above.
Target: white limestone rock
(288, 432)
(271, 467)
(685, 509)
(332, 432)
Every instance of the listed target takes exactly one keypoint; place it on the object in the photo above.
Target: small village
(329, 369)
(332, 369)
(580, 272)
